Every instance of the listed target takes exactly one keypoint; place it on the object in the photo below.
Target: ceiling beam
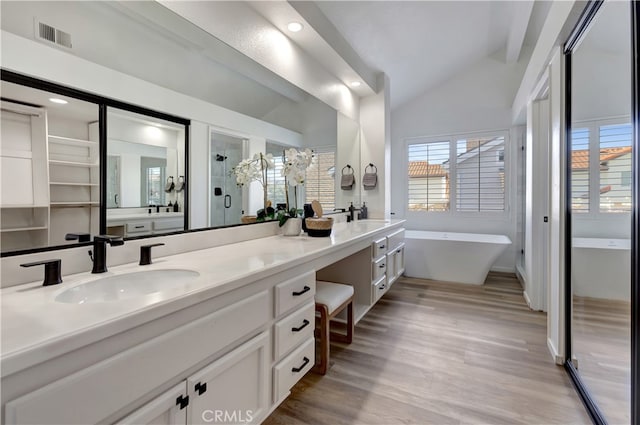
(519, 23)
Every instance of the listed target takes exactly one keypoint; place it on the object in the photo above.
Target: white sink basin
(124, 286)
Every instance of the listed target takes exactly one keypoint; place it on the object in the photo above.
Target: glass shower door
(226, 195)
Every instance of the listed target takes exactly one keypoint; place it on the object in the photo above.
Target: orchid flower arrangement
(296, 164)
(255, 169)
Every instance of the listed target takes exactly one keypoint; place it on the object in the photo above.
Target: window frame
(452, 139)
(593, 125)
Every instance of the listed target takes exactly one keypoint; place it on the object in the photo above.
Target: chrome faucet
(99, 255)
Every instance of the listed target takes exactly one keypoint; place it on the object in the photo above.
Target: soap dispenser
(363, 211)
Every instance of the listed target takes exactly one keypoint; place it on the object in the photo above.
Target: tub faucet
(99, 255)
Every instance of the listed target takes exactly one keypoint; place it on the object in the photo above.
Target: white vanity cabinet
(294, 344)
(112, 384)
(170, 408)
(232, 389)
(395, 256)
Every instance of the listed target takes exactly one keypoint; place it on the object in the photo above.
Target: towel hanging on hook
(348, 180)
(181, 184)
(370, 178)
(170, 185)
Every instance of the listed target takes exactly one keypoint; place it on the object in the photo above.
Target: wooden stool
(331, 298)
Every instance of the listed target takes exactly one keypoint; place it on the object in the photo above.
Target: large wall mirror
(599, 158)
(254, 110)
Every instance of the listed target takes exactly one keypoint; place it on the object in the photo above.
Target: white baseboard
(557, 358)
(503, 269)
(527, 299)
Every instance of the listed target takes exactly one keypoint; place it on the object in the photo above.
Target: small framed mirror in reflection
(145, 175)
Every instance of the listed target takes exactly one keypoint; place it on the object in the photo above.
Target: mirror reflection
(219, 88)
(146, 182)
(601, 204)
(49, 160)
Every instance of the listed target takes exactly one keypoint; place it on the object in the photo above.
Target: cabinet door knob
(200, 388)
(304, 363)
(305, 289)
(305, 322)
(182, 401)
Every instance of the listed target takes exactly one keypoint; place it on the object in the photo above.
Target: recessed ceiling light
(294, 26)
(59, 101)
(355, 84)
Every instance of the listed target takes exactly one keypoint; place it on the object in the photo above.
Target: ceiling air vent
(53, 35)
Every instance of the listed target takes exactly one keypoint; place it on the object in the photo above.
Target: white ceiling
(421, 44)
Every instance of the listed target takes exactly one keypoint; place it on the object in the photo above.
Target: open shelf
(23, 229)
(24, 206)
(73, 184)
(71, 141)
(73, 163)
(75, 204)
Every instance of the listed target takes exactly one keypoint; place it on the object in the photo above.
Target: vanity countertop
(35, 327)
(142, 216)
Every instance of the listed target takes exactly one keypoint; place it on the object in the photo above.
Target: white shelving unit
(73, 184)
(24, 198)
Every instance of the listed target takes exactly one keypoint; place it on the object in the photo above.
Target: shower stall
(226, 196)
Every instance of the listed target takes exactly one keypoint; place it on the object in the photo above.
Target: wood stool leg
(350, 323)
(322, 366)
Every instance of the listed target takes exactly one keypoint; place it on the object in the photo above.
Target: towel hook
(347, 167)
(375, 169)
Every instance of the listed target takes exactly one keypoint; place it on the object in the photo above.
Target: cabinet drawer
(379, 247)
(294, 292)
(294, 328)
(379, 287)
(142, 226)
(292, 368)
(395, 239)
(379, 268)
(169, 224)
(154, 362)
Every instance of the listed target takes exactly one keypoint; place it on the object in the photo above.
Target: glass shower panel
(600, 185)
(226, 195)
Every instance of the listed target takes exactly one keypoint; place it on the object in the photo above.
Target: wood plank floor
(440, 353)
(602, 345)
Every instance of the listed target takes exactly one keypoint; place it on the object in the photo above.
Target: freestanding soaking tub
(601, 268)
(452, 257)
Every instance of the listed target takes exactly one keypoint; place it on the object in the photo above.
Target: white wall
(375, 145)
(477, 99)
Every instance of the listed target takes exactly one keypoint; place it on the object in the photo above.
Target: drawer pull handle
(305, 289)
(182, 401)
(381, 266)
(381, 246)
(399, 251)
(200, 388)
(381, 287)
(305, 323)
(298, 369)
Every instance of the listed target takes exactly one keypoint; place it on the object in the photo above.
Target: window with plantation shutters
(275, 179)
(461, 174)
(428, 176)
(580, 170)
(320, 180)
(480, 174)
(615, 168)
(601, 167)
